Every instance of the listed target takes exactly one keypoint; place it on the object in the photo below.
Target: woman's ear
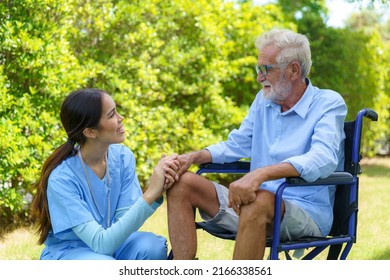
(90, 132)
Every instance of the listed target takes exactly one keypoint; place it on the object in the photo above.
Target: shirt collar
(302, 107)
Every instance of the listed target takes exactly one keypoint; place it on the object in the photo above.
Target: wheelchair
(344, 229)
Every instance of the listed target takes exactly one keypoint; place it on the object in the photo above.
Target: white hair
(293, 46)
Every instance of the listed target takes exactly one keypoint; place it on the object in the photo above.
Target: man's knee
(187, 178)
(261, 209)
(183, 187)
(194, 191)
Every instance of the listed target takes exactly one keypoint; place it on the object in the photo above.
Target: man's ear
(90, 132)
(295, 70)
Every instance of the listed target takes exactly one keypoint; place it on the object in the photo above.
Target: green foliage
(350, 61)
(168, 65)
(37, 69)
(180, 71)
(369, 23)
(13, 206)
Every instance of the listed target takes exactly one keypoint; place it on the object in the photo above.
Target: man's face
(276, 85)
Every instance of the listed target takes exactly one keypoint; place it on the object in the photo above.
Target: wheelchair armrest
(337, 178)
(230, 167)
(238, 167)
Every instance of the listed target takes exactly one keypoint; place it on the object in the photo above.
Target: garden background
(182, 74)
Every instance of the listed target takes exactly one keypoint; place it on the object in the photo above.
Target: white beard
(280, 91)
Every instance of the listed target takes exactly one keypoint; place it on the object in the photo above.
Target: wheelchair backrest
(344, 204)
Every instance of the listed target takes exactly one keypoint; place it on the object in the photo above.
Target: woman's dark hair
(81, 109)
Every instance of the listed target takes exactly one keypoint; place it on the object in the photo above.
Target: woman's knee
(143, 246)
(155, 247)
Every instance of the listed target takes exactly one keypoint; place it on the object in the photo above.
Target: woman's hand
(171, 169)
(163, 177)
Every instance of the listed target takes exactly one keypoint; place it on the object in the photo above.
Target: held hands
(185, 162)
(171, 169)
(181, 165)
(163, 177)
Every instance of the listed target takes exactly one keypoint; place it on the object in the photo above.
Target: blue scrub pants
(139, 246)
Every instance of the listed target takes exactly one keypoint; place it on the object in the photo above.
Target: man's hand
(181, 163)
(171, 167)
(243, 191)
(185, 160)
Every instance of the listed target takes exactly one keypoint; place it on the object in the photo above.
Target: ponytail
(40, 206)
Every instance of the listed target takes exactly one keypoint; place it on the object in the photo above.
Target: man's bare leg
(256, 220)
(191, 191)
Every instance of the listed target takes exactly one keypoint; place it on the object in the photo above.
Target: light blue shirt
(309, 136)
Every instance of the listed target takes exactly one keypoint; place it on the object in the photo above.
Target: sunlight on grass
(373, 241)
(20, 245)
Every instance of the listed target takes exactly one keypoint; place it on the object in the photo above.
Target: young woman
(89, 204)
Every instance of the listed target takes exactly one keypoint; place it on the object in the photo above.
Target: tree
(166, 63)
(37, 68)
(371, 24)
(340, 60)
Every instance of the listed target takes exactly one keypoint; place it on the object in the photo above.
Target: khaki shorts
(295, 224)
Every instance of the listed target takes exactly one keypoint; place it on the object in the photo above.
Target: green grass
(373, 240)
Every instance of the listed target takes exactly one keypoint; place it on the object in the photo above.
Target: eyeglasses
(264, 68)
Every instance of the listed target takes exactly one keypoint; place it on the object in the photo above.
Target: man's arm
(326, 151)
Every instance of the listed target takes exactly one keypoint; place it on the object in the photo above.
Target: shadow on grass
(385, 255)
(374, 170)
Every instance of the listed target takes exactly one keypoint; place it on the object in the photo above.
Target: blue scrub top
(71, 203)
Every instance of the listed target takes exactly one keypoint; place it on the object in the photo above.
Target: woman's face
(110, 128)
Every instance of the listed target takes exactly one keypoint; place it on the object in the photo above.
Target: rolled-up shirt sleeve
(326, 147)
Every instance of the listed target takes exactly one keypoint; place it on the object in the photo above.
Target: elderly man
(292, 129)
